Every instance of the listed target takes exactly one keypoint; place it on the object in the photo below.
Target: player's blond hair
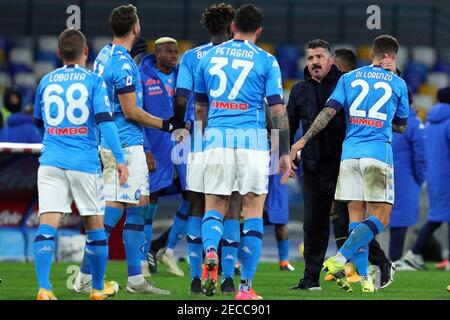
(163, 40)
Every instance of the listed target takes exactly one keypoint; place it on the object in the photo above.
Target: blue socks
(179, 225)
(230, 245)
(283, 250)
(361, 236)
(44, 250)
(251, 250)
(133, 238)
(212, 230)
(149, 215)
(361, 256)
(195, 248)
(96, 252)
(112, 216)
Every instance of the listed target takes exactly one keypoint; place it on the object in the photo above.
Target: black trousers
(318, 192)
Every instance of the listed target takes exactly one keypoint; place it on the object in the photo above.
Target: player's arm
(201, 113)
(37, 113)
(402, 112)
(179, 107)
(185, 85)
(108, 128)
(332, 106)
(131, 112)
(200, 96)
(278, 115)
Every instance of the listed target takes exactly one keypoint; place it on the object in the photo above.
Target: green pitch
(19, 282)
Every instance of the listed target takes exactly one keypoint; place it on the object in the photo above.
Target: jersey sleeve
(273, 87)
(185, 78)
(338, 96)
(402, 111)
(125, 80)
(200, 84)
(100, 101)
(37, 113)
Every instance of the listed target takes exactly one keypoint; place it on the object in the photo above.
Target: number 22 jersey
(373, 99)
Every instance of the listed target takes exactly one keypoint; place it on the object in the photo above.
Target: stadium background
(28, 31)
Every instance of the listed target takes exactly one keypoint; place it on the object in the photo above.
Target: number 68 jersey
(373, 99)
(70, 101)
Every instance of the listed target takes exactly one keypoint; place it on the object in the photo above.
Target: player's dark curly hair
(217, 18)
(122, 20)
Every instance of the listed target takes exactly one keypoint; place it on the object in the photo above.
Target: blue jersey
(234, 78)
(121, 75)
(186, 75)
(168, 81)
(372, 98)
(69, 101)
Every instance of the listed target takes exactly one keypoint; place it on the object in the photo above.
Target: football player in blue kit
(217, 20)
(231, 83)
(124, 87)
(71, 106)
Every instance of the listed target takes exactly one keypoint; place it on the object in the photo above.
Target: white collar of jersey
(71, 66)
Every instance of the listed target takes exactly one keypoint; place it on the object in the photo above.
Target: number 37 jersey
(234, 78)
(70, 101)
(373, 99)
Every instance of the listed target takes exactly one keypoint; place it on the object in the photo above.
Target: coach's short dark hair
(347, 56)
(318, 43)
(384, 44)
(71, 43)
(248, 18)
(217, 18)
(122, 20)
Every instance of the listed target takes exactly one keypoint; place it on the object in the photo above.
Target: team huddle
(228, 107)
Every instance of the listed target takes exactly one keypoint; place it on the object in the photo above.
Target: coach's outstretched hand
(123, 173)
(172, 124)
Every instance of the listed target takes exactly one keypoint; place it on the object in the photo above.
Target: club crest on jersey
(229, 105)
(137, 195)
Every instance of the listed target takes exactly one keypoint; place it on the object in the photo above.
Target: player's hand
(388, 63)
(140, 46)
(151, 162)
(285, 167)
(296, 147)
(123, 173)
(172, 124)
(180, 134)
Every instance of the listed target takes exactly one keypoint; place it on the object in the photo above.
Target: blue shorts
(164, 176)
(277, 202)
